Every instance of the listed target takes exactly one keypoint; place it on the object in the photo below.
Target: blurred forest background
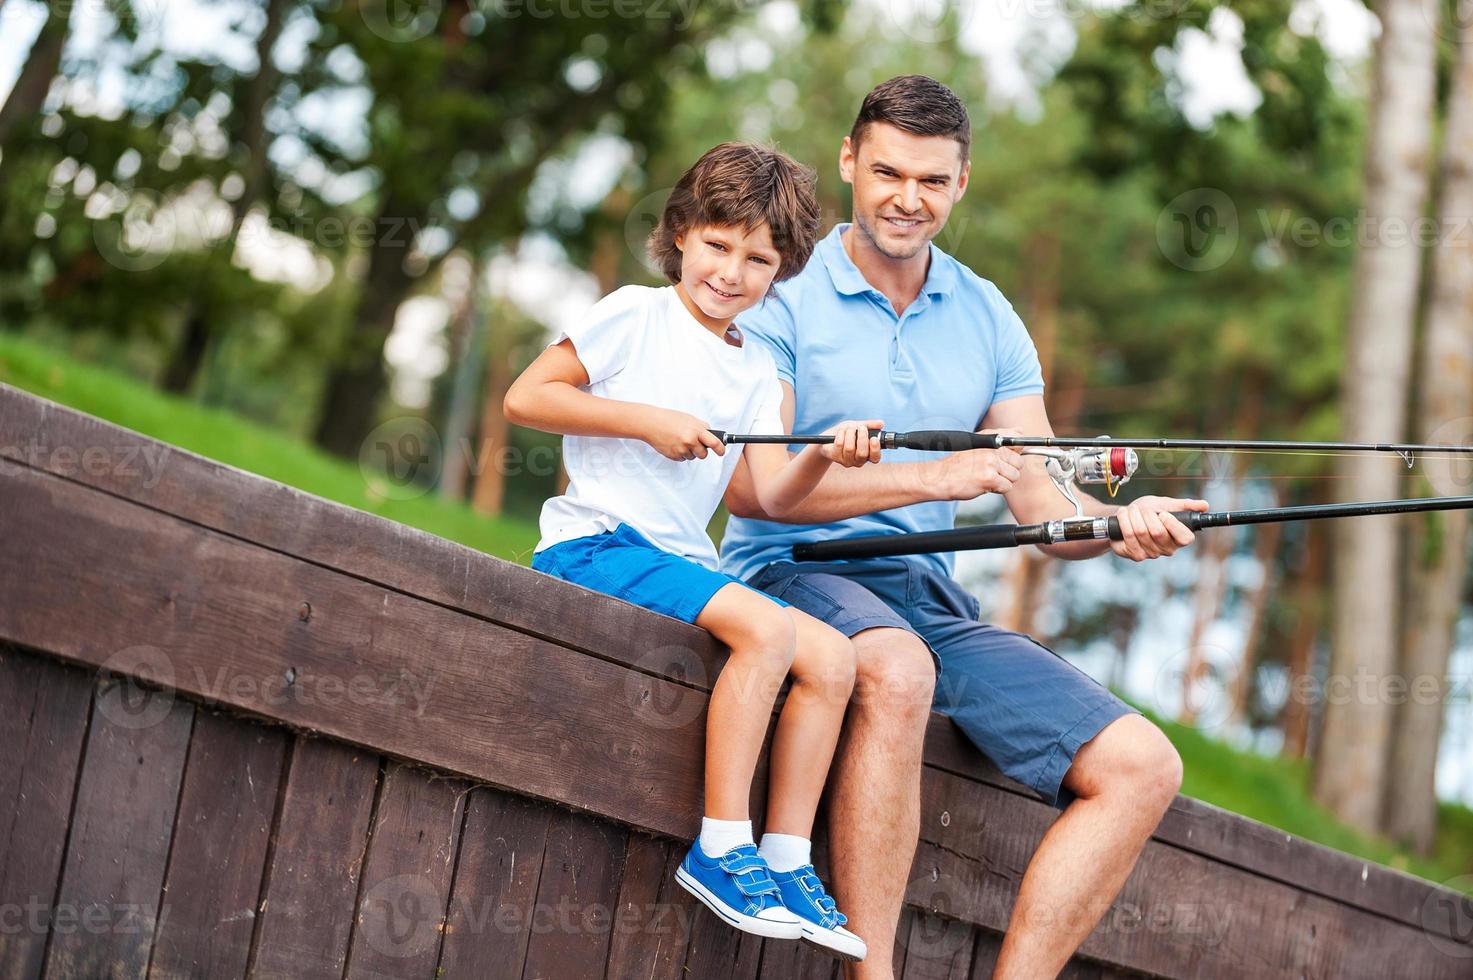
(318, 238)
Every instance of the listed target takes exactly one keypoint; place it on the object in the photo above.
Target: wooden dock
(249, 732)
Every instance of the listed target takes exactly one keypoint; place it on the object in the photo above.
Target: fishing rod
(993, 536)
(960, 440)
(1101, 459)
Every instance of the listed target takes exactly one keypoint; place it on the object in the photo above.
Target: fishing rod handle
(888, 546)
(925, 440)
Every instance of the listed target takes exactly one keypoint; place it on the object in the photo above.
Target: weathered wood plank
(794, 960)
(270, 635)
(108, 907)
(576, 896)
(1231, 839)
(312, 876)
(406, 881)
(494, 893)
(651, 931)
(53, 438)
(937, 949)
(226, 807)
(44, 709)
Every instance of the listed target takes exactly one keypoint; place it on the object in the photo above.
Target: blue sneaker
(823, 923)
(738, 887)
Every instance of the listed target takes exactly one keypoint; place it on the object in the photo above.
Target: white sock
(784, 852)
(720, 836)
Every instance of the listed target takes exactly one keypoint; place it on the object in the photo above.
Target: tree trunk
(1437, 549)
(351, 393)
(29, 94)
(490, 489)
(189, 355)
(1308, 604)
(1265, 550)
(470, 351)
(1350, 770)
(1032, 570)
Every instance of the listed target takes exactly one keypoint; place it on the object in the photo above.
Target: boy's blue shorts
(624, 564)
(1027, 708)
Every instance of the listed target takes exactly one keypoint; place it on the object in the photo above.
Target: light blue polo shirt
(836, 339)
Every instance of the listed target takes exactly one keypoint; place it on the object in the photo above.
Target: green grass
(230, 439)
(1270, 790)
(1273, 790)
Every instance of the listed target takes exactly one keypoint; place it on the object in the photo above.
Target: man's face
(904, 186)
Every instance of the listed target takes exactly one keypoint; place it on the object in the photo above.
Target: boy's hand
(853, 445)
(676, 435)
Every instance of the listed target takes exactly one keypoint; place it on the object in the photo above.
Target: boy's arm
(547, 396)
(843, 493)
(781, 481)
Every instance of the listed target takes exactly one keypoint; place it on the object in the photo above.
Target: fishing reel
(1112, 466)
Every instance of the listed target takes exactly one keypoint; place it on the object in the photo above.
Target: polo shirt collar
(848, 280)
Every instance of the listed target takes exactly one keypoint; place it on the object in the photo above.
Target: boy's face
(725, 270)
(904, 186)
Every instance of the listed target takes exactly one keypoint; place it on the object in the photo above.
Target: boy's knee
(770, 636)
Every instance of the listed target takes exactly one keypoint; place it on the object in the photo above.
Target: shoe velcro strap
(755, 882)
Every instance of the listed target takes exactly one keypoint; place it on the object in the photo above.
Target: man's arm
(1150, 530)
(845, 493)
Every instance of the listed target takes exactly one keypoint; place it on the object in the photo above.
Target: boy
(637, 388)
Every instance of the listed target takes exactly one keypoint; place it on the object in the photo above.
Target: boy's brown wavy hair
(742, 185)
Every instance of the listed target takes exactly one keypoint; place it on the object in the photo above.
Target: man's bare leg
(875, 800)
(1124, 778)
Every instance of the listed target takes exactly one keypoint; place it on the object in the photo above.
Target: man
(883, 324)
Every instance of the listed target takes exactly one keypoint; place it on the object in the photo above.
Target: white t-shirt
(640, 344)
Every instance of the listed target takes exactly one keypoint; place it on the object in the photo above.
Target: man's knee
(1131, 758)
(895, 674)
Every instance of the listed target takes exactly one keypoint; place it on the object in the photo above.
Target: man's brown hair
(916, 104)
(742, 185)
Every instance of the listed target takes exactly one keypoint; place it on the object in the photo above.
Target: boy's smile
(724, 270)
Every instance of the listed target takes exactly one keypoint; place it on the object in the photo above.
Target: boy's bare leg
(1125, 778)
(875, 800)
(808, 728)
(760, 635)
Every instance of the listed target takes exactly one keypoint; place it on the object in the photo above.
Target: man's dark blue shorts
(1023, 705)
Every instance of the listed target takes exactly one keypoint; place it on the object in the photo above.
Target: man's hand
(676, 435)
(1149, 530)
(853, 445)
(970, 474)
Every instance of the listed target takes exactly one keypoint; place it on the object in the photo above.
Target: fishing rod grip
(1193, 519)
(938, 440)
(925, 542)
